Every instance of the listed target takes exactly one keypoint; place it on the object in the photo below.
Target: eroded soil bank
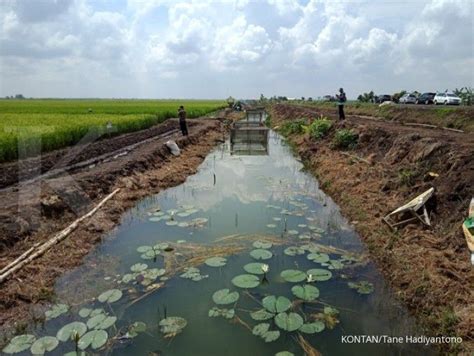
(429, 269)
(34, 212)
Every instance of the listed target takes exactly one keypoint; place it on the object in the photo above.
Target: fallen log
(37, 251)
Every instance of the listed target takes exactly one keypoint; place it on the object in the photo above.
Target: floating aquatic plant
(284, 353)
(246, 281)
(312, 328)
(95, 339)
(319, 274)
(293, 251)
(225, 296)
(56, 310)
(226, 313)
(289, 321)
(19, 343)
(110, 296)
(263, 331)
(172, 326)
(262, 245)
(261, 254)
(43, 345)
(271, 226)
(67, 332)
(87, 312)
(261, 314)
(292, 232)
(216, 261)
(139, 267)
(293, 275)
(193, 274)
(362, 287)
(136, 328)
(276, 304)
(255, 268)
(318, 257)
(305, 292)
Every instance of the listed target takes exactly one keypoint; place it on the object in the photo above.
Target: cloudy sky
(213, 49)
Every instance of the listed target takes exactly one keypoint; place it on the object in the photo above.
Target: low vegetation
(345, 138)
(293, 127)
(319, 128)
(36, 126)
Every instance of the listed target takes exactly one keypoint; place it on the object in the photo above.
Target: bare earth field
(429, 269)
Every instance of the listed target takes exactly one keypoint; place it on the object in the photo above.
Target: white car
(407, 99)
(446, 99)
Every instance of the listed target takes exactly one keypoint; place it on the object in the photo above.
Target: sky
(214, 49)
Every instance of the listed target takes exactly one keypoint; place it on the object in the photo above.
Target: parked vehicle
(407, 99)
(382, 98)
(446, 99)
(426, 98)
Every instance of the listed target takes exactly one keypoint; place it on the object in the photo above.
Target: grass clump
(345, 138)
(293, 127)
(319, 128)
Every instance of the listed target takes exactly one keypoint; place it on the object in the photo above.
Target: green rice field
(52, 124)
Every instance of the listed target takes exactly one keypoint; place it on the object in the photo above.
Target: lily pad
(261, 314)
(312, 328)
(246, 281)
(225, 296)
(19, 343)
(262, 244)
(44, 344)
(293, 251)
(143, 249)
(362, 287)
(139, 267)
(276, 304)
(255, 267)
(306, 292)
(56, 310)
(216, 261)
(67, 332)
(263, 331)
(153, 273)
(110, 296)
(95, 339)
(193, 274)
(106, 323)
(319, 274)
(261, 254)
(95, 320)
(292, 232)
(334, 264)
(172, 325)
(293, 275)
(318, 257)
(135, 328)
(271, 226)
(226, 313)
(284, 353)
(289, 321)
(171, 223)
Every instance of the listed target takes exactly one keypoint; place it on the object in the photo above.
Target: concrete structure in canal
(250, 136)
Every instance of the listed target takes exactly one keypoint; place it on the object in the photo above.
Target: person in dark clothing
(182, 121)
(341, 99)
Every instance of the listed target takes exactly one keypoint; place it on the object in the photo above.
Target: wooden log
(33, 253)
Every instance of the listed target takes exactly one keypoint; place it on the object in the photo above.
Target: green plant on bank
(406, 177)
(319, 128)
(293, 127)
(345, 138)
(268, 121)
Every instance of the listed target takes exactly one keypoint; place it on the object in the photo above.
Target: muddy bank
(429, 269)
(27, 217)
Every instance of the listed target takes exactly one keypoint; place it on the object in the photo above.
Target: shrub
(293, 127)
(319, 128)
(345, 138)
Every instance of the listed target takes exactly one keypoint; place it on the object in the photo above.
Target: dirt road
(429, 269)
(139, 163)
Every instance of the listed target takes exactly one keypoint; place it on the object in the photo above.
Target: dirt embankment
(35, 212)
(429, 269)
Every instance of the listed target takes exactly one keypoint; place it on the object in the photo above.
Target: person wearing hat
(182, 121)
(341, 99)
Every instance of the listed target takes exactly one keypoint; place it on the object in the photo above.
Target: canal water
(290, 272)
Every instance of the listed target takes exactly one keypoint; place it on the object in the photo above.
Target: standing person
(341, 99)
(182, 121)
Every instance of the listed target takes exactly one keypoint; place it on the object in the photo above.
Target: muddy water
(253, 197)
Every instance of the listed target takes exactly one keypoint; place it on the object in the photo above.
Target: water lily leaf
(75, 353)
(135, 328)
(216, 261)
(143, 249)
(97, 311)
(110, 296)
(302, 225)
(19, 343)
(289, 321)
(293, 251)
(153, 273)
(139, 267)
(261, 254)
(362, 287)
(334, 264)
(261, 314)
(319, 274)
(106, 323)
(276, 304)
(312, 328)
(44, 344)
(262, 244)
(263, 331)
(284, 353)
(56, 310)
(255, 267)
(293, 275)
(306, 292)
(271, 226)
(276, 218)
(225, 296)
(318, 257)
(171, 223)
(95, 320)
(85, 312)
(128, 277)
(155, 218)
(95, 339)
(246, 281)
(172, 325)
(150, 255)
(181, 241)
(292, 232)
(226, 313)
(67, 332)
(193, 274)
